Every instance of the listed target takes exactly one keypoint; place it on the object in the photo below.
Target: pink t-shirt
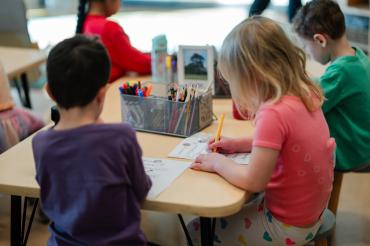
(300, 185)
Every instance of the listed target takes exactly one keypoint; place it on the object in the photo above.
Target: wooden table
(198, 193)
(16, 62)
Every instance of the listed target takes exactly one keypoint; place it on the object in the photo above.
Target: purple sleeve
(140, 181)
(36, 142)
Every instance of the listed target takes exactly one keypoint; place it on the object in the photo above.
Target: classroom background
(184, 22)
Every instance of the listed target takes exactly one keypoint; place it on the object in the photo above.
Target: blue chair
(324, 235)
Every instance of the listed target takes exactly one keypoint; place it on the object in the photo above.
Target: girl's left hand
(208, 162)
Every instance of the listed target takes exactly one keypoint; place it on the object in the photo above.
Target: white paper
(162, 172)
(190, 148)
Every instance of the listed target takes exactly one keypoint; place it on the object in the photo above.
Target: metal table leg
(18, 233)
(206, 231)
(15, 221)
(26, 90)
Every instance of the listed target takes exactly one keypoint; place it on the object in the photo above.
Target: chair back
(13, 24)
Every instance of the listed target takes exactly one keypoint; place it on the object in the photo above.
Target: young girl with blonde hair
(291, 150)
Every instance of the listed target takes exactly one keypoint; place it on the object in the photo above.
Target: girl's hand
(225, 145)
(208, 162)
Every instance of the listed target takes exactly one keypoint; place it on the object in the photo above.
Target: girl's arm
(252, 177)
(268, 138)
(231, 145)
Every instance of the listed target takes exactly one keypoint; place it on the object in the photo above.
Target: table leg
(187, 235)
(15, 220)
(30, 222)
(206, 231)
(26, 90)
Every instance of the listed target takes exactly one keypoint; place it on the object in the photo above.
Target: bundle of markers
(183, 115)
(136, 89)
(182, 94)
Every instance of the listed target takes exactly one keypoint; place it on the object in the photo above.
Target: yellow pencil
(219, 129)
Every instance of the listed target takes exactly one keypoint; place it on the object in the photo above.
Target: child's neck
(341, 47)
(97, 9)
(76, 117)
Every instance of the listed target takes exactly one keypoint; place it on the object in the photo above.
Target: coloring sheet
(162, 172)
(195, 145)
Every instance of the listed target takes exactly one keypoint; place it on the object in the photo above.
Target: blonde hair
(261, 65)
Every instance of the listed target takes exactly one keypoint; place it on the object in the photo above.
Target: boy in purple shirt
(91, 176)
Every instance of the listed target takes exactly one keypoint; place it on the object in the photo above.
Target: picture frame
(221, 86)
(195, 66)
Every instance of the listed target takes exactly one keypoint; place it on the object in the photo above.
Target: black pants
(259, 6)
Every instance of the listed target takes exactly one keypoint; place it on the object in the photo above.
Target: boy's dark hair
(76, 69)
(320, 16)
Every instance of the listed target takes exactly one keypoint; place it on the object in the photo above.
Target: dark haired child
(91, 176)
(346, 82)
(92, 21)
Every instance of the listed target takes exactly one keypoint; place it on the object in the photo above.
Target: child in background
(91, 176)
(291, 151)
(346, 82)
(94, 22)
(15, 123)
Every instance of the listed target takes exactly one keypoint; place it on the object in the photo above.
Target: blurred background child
(92, 21)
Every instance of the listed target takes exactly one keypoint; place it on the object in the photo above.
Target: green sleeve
(332, 85)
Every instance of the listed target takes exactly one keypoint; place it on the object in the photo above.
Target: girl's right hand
(225, 145)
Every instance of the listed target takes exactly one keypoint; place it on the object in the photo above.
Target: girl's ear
(320, 39)
(47, 88)
(101, 94)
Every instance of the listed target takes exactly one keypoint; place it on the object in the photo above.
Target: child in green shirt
(346, 83)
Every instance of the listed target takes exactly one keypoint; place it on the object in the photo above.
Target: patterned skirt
(17, 124)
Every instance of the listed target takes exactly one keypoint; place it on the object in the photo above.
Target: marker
(135, 90)
(185, 93)
(149, 91)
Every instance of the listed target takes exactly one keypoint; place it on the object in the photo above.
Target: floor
(197, 27)
(353, 219)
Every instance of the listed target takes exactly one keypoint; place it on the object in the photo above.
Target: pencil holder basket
(159, 115)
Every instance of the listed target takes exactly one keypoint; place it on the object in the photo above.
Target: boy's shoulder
(344, 69)
(335, 72)
(102, 131)
(348, 65)
(115, 129)
(107, 136)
